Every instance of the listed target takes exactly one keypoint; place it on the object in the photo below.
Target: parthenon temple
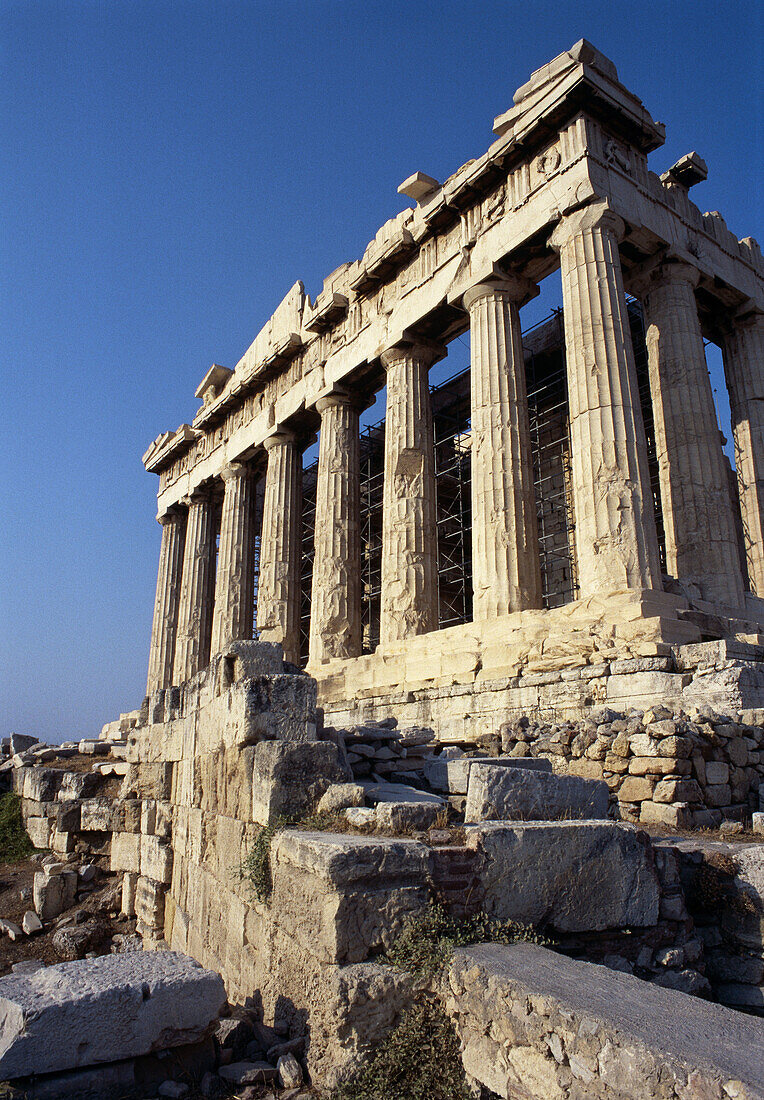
(545, 530)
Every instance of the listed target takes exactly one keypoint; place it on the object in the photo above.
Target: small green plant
(419, 1060)
(15, 845)
(257, 862)
(429, 937)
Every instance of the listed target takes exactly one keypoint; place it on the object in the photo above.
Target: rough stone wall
(662, 767)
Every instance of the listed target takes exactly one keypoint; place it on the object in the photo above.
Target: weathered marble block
(497, 793)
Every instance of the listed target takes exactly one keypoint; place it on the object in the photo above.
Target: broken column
(409, 530)
(506, 574)
(234, 584)
(743, 352)
(278, 589)
(335, 607)
(616, 541)
(162, 652)
(197, 590)
(699, 525)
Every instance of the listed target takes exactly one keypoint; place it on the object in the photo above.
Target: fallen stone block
(402, 817)
(572, 876)
(63, 1017)
(248, 1073)
(340, 796)
(453, 775)
(399, 792)
(528, 1018)
(515, 794)
(77, 785)
(20, 742)
(39, 830)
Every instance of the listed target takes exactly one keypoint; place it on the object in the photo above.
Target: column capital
(199, 495)
(748, 315)
(662, 271)
(514, 288)
(235, 470)
(169, 518)
(337, 395)
(596, 216)
(422, 350)
(279, 439)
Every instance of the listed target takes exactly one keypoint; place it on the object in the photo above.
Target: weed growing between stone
(15, 845)
(429, 937)
(419, 1060)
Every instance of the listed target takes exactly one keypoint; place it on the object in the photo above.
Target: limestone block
(572, 876)
(508, 794)
(129, 887)
(402, 817)
(343, 897)
(61, 842)
(39, 830)
(339, 796)
(48, 895)
(150, 903)
(453, 775)
(101, 815)
(718, 794)
(529, 1020)
(62, 1017)
(654, 765)
(635, 789)
(677, 790)
(156, 859)
(40, 784)
(717, 772)
(660, 813)
(290, 777)
(20, 742)
(126, 852)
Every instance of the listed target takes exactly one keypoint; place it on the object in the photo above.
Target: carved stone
(234, 584)
(743, 352)
(701, 540)
(278, 590)
(409, 534)
(197, 590)
(335, 611)
(162, 650)
(616, 541)
(506, 575)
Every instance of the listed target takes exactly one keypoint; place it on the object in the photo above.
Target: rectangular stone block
(156, 859)
(126, 852)
(150, 903)
(573, 876)
(101, 815)
(453, 775)
(515, 794)
(39, 830)
(290, 776)
(63, 1017)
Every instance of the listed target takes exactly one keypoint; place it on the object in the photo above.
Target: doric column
(165, 622)
(506, 574)
(743, 352)
(235, 580)
(616, 542)
(197, 589)
(278, 588)
(409, 530)
(335, 606)
(701, 540)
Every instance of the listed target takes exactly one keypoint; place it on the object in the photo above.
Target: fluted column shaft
(278, 589)
(197, 589)
(701, 540)
(235, 581)
(616, 541)
(409, 531)
(506, 572)
(743, 352)
(335, 606)
(162, 651)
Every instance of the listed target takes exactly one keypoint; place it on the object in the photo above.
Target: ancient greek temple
(657, 544)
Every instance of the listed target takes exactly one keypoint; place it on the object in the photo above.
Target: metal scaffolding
(546, 381)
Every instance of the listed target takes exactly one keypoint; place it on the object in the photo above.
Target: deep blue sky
(169, 169)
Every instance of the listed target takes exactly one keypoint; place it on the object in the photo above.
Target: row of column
(615, 534)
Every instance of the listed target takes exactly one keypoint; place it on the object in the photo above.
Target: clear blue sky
(169, 169)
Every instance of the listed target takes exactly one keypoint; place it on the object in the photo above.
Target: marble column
(698, 518)
(197, 589)
(165, 622)
(615, 537)
(335, 606)
(506, 572)
(743, 352)
(409, 529)
(278, 589)
(235, 580)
